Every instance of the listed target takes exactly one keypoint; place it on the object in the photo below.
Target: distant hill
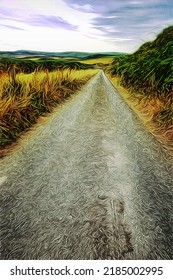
(150, 69)
(77, 55)
(27, 61)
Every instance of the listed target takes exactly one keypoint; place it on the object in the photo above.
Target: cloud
(85, 8)
(128, 20)
(114, 24)
(6, 13)
(50, 21)
(11, 27)
(127, 13)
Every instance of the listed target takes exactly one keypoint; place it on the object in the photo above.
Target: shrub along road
(89, 183)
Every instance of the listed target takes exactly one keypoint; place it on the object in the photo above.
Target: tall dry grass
(155, 112)
(25, 97)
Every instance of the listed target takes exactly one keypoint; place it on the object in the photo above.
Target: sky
(81, 25)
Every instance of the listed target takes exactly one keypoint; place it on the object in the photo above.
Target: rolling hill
(75, 55)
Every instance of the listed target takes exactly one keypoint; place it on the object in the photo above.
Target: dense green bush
(150, 69)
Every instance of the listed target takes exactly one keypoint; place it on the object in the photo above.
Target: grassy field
(28, 65)
(145, 79)
(102, 60)
(25, 97)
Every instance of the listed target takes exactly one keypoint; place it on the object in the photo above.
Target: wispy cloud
(85, 7)
(51, 22)
(11, 27)
(101, 25)
(6, 14)
(34, 19)
(134, 20)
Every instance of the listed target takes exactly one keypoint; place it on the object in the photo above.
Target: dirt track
(89, 183)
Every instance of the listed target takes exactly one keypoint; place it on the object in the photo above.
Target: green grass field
(101, 60)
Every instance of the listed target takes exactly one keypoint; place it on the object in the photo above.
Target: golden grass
(102, 60)
(25, 97)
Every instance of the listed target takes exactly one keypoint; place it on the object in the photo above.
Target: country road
(89, 183)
